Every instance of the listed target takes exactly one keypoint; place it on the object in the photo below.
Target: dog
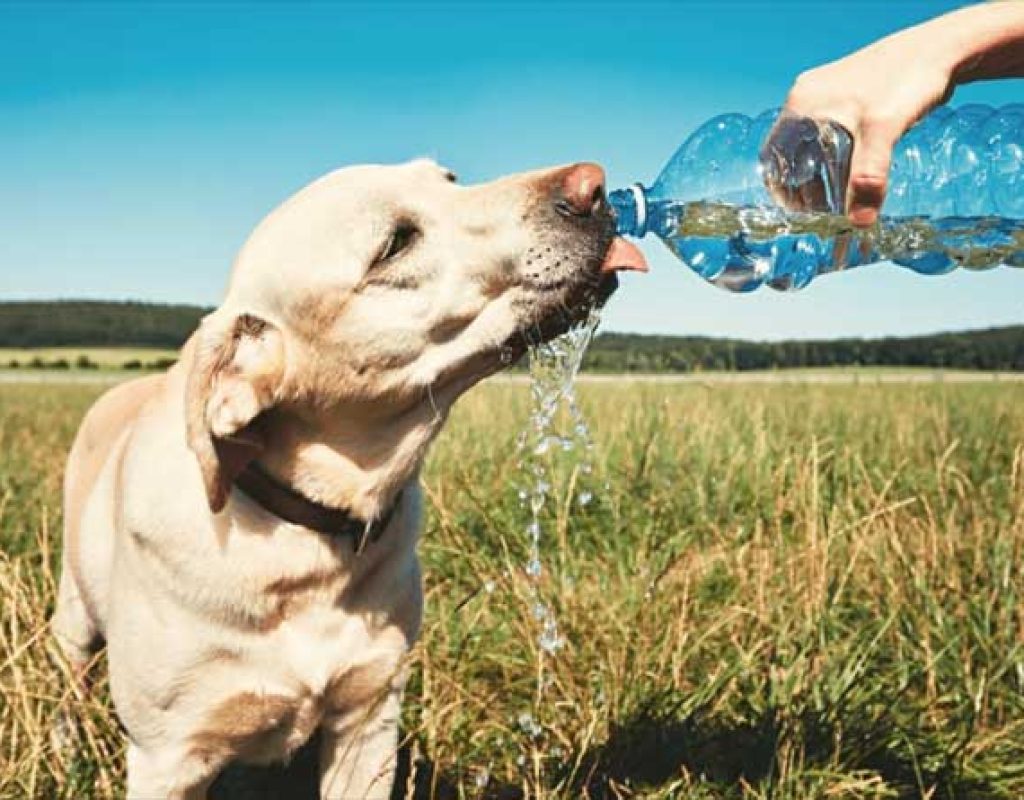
(240, 532)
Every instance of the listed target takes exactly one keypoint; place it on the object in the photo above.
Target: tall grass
(784, 592)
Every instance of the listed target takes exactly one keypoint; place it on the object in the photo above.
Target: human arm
(878, 92)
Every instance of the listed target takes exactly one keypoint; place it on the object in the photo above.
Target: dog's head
(377, 289)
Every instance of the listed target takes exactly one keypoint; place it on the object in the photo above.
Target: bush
(84, 362)
(162, 363)
(132, 364)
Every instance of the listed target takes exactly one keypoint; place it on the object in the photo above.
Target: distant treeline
(103, 324)
(81, 323)
(993, 349)
(83, 361)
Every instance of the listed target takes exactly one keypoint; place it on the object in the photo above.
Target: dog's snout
(581, 192)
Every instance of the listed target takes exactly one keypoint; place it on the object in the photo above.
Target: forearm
(983, 41)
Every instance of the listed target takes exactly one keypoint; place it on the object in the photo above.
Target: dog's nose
(582, 191)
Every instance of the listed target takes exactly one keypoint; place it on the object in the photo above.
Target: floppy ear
(236, 374)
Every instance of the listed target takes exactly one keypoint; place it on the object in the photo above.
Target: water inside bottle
(741, 247)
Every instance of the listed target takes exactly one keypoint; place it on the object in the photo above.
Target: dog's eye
(402, 237)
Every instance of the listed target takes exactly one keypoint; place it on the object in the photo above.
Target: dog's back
(78, 621)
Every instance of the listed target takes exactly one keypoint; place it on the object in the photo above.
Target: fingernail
(862, 216)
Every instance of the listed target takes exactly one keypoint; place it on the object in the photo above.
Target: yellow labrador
(240, 532)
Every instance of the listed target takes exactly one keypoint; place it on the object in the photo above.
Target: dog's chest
(304, 637)
(316, 668)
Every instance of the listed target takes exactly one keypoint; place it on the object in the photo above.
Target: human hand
(876, 94)
(880, 91)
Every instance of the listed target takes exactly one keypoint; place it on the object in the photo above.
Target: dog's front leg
(359, 750)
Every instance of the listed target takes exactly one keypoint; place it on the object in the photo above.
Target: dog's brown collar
(285, 502)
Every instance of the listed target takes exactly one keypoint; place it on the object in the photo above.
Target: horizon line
(877, 337)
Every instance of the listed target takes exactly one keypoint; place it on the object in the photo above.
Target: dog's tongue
(623, 255)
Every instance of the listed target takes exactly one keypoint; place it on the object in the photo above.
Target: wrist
(940, 47)
(982, 41)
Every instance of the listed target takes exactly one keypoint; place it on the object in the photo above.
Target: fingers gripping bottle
(747, 202)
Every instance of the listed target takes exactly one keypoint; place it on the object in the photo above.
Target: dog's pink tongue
(623, 255)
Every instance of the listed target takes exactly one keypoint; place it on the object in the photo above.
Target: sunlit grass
(785, 592)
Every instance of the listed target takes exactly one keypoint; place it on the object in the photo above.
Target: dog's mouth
(569, 271)
(593, 288)
(565, 298)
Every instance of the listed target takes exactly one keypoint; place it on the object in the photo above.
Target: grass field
(106, 358)
(786, 592)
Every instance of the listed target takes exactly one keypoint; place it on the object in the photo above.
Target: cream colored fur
(230, 634)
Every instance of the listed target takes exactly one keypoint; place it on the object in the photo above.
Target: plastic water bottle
(746, 202)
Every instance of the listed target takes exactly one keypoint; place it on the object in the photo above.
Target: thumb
(869, 175)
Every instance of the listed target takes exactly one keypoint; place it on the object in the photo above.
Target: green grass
(786, 592)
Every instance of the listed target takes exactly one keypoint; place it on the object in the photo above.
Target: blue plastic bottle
(746, 202)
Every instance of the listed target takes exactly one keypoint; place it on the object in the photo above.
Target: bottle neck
(630, 207)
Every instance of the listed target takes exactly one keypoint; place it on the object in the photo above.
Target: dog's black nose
(581, 192)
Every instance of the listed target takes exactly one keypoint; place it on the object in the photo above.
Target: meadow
(787, 591)
(98, 358)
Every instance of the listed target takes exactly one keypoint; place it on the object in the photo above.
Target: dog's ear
(236, 374)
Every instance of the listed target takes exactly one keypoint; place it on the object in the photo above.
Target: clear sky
(139, 144)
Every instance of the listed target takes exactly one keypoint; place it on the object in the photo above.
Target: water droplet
(528, 725)
(550, 641)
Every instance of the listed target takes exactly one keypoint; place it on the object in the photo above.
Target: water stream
(555, 441)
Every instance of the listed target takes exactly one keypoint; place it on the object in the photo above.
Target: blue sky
(139, 143)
